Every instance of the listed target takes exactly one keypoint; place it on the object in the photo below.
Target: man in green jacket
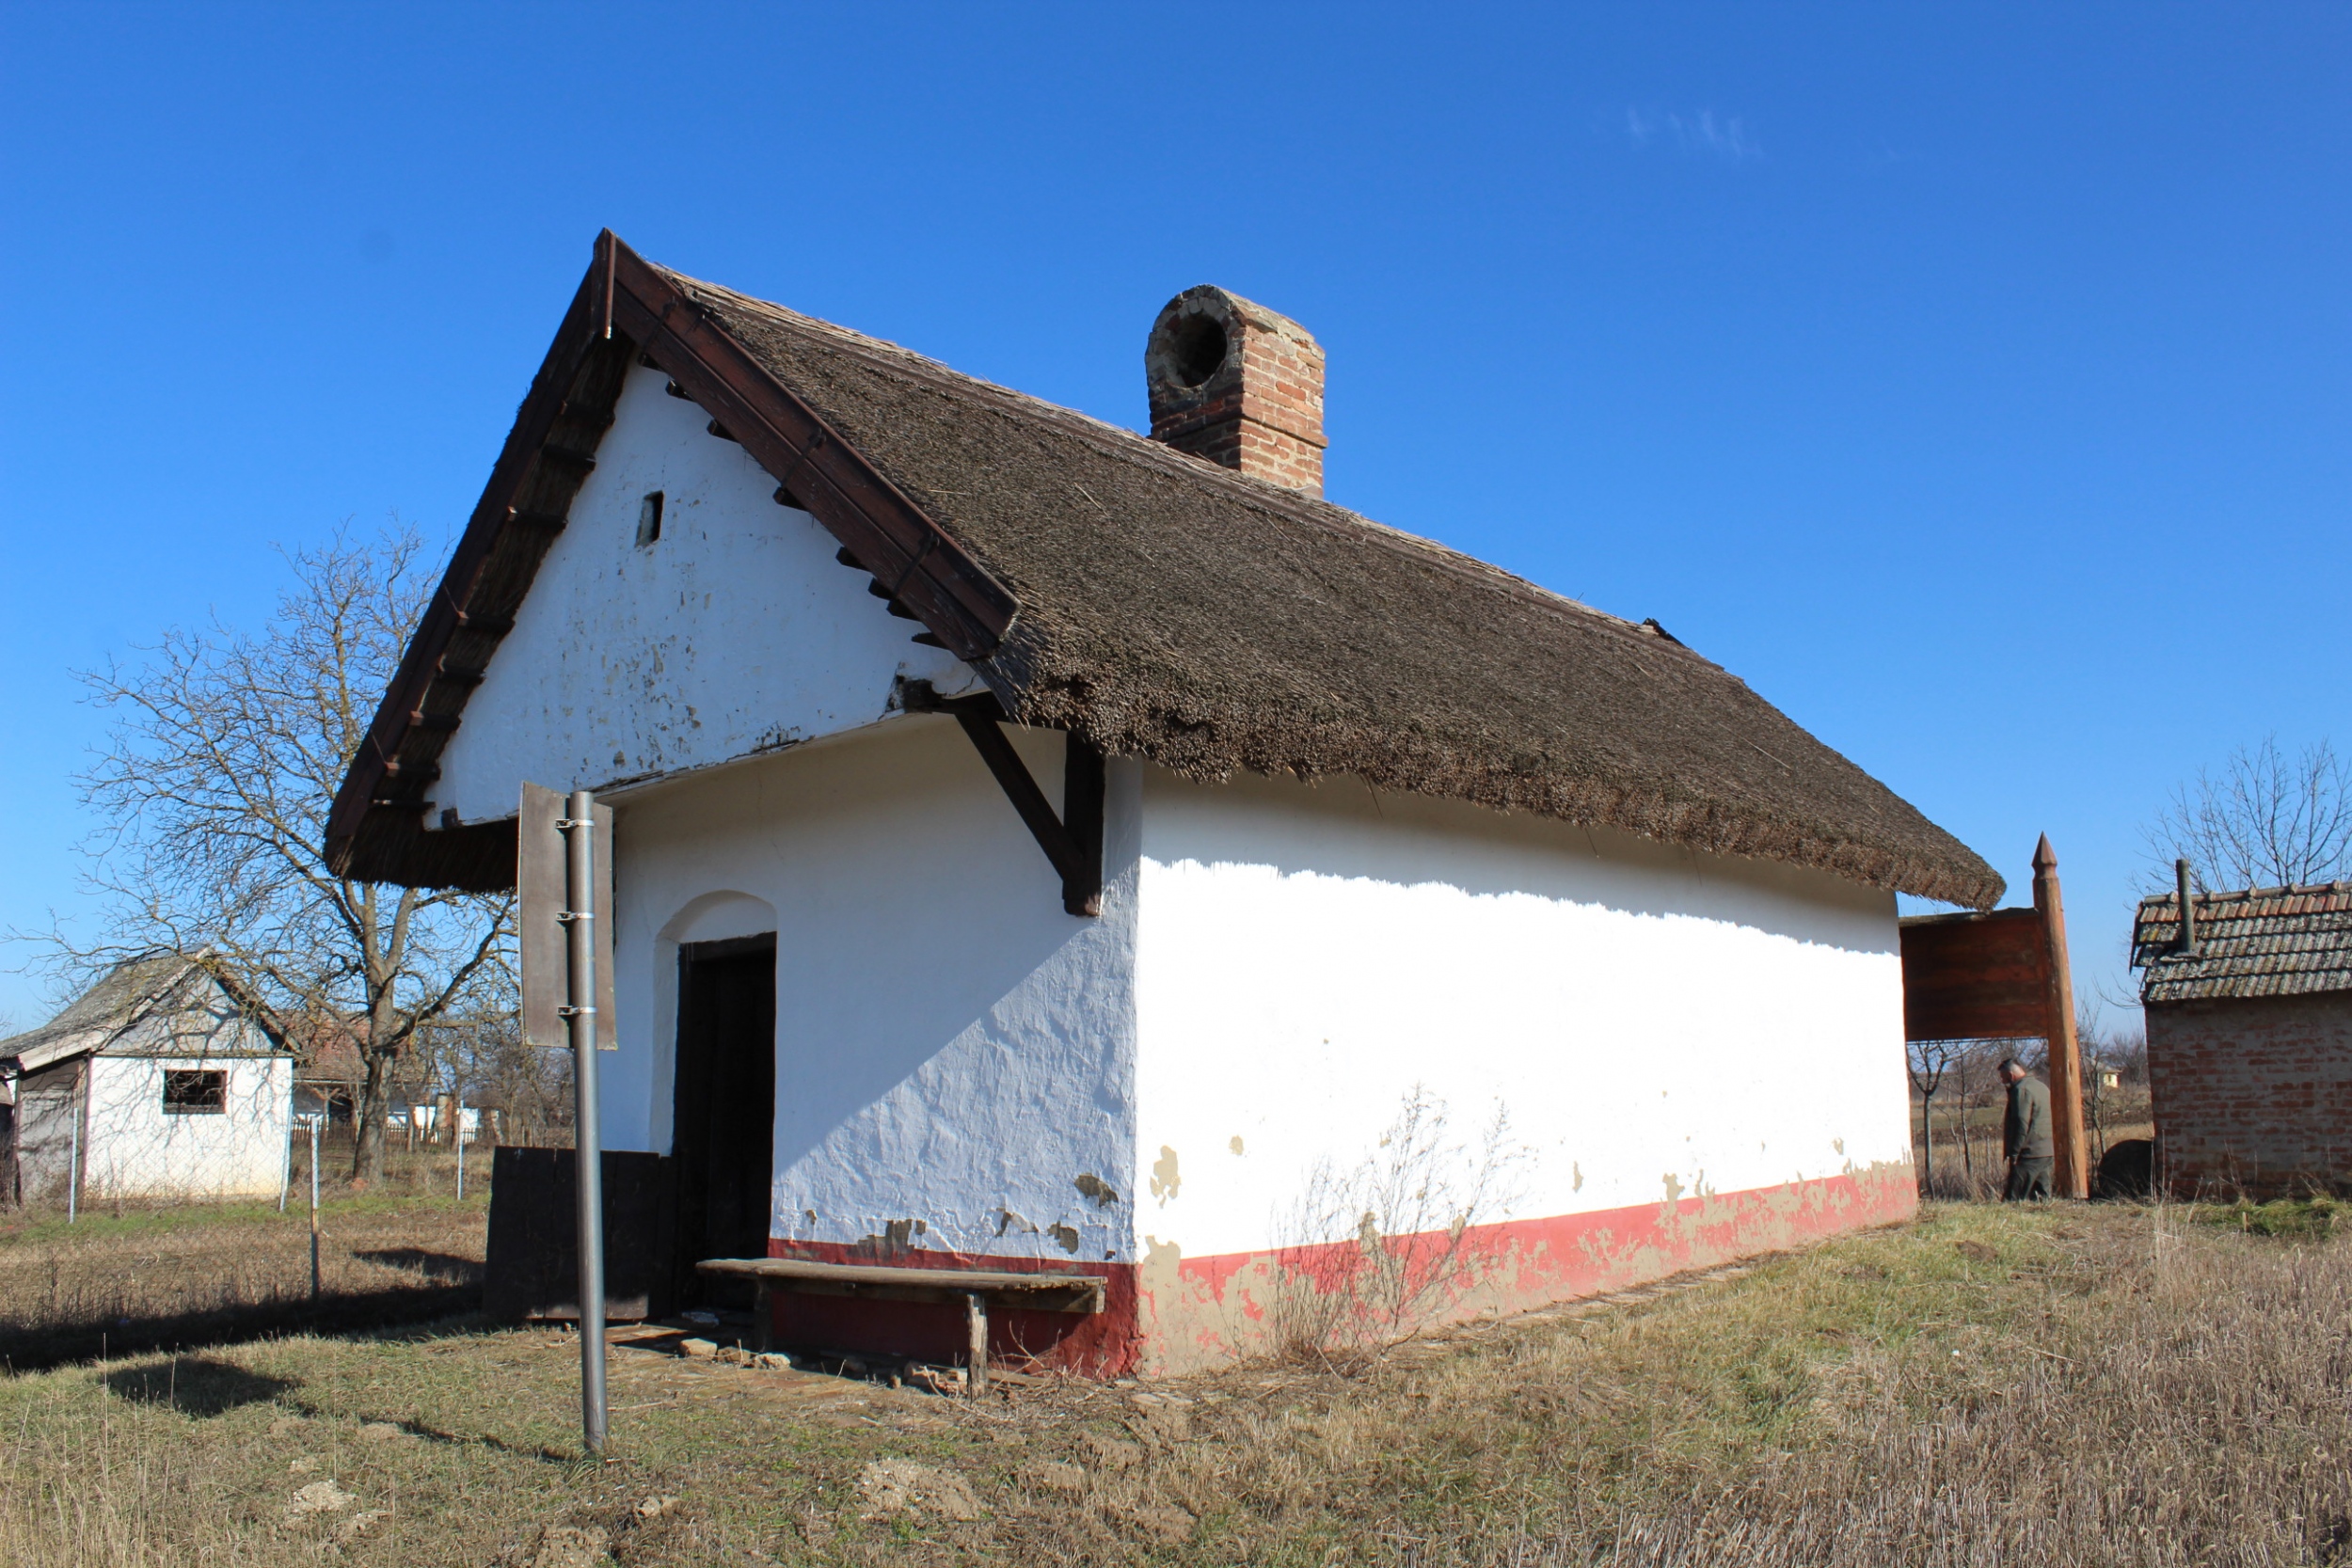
(2026, 1133)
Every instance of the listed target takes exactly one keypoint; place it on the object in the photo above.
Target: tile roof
(2261, 941)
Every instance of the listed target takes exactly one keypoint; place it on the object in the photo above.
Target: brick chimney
(1236, 384)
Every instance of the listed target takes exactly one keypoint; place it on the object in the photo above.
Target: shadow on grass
(196, 1386)
(33, 1349)
(429, 1433)
(444, 1267)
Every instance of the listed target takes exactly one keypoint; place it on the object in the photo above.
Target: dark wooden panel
(532, 1270)
(1975, 977)
(1082, 792)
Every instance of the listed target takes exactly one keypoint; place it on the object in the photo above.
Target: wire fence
(99, 1275)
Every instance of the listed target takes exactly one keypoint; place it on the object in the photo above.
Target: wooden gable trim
(374, 830)
(624, 308)
(913, 561)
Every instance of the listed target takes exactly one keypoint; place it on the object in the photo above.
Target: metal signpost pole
(314, 1206)
(461, 1149)
(579, 916)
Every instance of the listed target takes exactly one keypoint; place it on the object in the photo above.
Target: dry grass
(128, 1276)
(2078, 1385)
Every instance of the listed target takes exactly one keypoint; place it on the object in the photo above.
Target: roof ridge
(2289, 890)
(1127, 446)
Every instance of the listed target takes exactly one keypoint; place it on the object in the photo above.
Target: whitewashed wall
(1658, 1025)
(132, 1148)
(737, 633)
(952, 1049)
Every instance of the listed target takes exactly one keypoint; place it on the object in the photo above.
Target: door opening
(722, 1139)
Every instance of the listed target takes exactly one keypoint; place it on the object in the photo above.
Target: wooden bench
(974, 1288)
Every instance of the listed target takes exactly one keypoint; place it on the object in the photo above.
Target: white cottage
(1043, 847)
(161, 1080)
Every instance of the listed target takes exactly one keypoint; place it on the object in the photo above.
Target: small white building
(1043, 847)
(161, 1080)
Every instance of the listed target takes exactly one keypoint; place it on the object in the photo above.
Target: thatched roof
(2260, 941)
(1168, 609)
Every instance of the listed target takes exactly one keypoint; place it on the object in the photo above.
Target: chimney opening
(1238, 385)
(1200, 346)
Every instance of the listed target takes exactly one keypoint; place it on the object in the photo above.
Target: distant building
(328, 1086)
(160, 1081)
(2250, 1039)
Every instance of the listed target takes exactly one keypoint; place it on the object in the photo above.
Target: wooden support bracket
(1074, 841)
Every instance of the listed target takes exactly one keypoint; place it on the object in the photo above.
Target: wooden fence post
(2070, 1175)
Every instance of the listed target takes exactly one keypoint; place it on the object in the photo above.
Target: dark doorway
(724, 1136)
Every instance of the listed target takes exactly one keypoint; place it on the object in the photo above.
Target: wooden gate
(2004, 976)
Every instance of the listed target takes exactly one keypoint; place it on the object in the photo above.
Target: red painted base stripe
(1173, 1314)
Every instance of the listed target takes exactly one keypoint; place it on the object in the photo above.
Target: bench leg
(763, 1316)
(976, 1325)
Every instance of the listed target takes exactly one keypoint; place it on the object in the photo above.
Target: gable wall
(199, 1019)
(737, 633)
(132, 1148)
(1698, 1056)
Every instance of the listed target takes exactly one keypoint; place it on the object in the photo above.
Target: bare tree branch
(224, 754)
(2262, 822)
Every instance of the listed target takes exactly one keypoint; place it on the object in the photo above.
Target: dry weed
(2094, 1386)
(1370, 1255)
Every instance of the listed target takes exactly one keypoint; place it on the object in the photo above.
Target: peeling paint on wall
(1165, 1179)
(1195, 1312)
(1093, 1186)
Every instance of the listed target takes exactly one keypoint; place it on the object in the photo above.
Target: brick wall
(2252, 1095)
(1239, 384)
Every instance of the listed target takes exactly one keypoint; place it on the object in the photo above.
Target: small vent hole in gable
(649, 519)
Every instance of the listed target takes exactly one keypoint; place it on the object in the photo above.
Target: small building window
(649, 519)
(195, 1092)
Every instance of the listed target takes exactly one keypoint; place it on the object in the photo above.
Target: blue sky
(1969, 380)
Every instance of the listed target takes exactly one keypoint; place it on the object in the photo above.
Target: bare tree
(477, 1051)
(224, 749)
(1928, 1061)
(1971, 1068)
(2263, 822)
